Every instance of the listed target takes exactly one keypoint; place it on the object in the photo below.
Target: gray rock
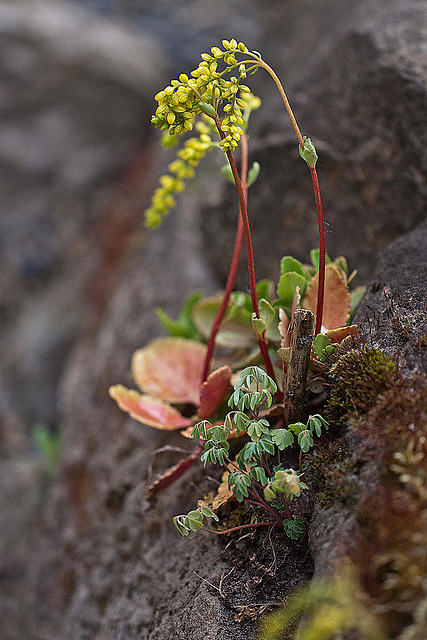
(361, 94)
(393, 313)
(76, 97)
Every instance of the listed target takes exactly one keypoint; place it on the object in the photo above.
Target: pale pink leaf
(170, 369)
(150, 411)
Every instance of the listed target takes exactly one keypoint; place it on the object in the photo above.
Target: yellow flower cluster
(185, 98)
(188, 157)
(204, 92)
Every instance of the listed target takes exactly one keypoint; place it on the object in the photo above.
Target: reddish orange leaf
(170, 369)
(169, 476)
(336, 308)
(337, 335)
(150, 411)
(213, 391)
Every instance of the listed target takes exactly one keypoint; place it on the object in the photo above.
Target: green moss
(392, 514)
(356, 380)
(421, 342)
(332, 473)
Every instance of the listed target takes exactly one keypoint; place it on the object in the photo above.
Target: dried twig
(302, 330)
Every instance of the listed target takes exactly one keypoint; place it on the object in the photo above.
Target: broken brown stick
(294, 383)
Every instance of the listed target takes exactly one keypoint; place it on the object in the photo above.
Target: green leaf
(266, 311)
(282, 438)
(218, 433)
(314, 257)
(238, 420)
(208, 513)
(256, 429)
(234, 399)
(239, 483)
(236, 330)
(288, 283)
(290, 264)
(195, 520)
(308, 153)
(182, 524)
(200, 430)
(264, 289)
(215, 452)
(305, 440)
(269, 493)
(320, 342)
(259, 325)
(294, 528)
(253, 173)
(258, 474)
(296, 427)
(341, 262)
(265, 444)
(314, 424)
(183, 327)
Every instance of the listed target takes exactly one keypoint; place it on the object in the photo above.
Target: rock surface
(393, 314)
(361, 94)
(105, 567)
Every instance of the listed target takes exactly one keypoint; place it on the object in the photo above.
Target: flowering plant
(215, 101)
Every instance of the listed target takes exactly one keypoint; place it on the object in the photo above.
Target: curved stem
(317, 197)
(285, 101)
(242, 526)
(249, 250)
(252, 492)
(238, 244)
(264, 505)
(322, 250)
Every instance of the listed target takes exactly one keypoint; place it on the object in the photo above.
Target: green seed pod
(207, 109)
(308, 153)
(227, 173)
(253, 173)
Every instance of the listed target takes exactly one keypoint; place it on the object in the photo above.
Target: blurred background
(79, 160)
(77, 85)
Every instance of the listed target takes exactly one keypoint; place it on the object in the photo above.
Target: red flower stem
(252, 491)
(319, 208)
(322, 250)
(238, 244)
(243, 526)
(249, 250)
(287, 507)
(262, 502)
